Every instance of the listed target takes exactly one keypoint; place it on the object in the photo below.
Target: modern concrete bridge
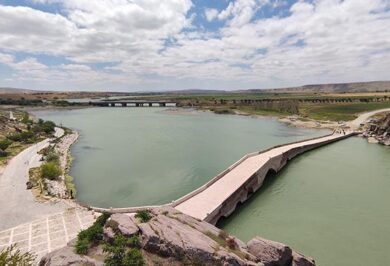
(133, 104)
(219, 197)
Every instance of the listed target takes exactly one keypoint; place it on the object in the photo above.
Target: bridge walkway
(207, 201)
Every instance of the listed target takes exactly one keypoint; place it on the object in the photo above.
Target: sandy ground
(17, 204)
(354, 124)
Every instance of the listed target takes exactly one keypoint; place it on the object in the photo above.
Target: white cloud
(320, 41)
(211, 14)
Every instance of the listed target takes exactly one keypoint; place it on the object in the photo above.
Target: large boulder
(269, 252)
(67, 257)
(166, 234)
(124, 223)
(301, 260)
(173, 238)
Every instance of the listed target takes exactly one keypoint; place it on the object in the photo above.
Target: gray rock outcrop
(124, 223)
(269, 252)
(66, 257)
(173, 238)
(378, 131)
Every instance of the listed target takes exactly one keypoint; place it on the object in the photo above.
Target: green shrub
(50, 170)
(26, 119)
(101, 220)
(143, 215)
(12, 256)
(5, 143)
(48, 126)
(133, 242)
(92, 235)
(120, 254)
(23, 136)
(133, 258)
(82, 246)
(3, 153)
(52, 157)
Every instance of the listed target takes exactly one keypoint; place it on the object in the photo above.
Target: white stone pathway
(50, 233)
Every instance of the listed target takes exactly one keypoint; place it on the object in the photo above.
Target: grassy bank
(337, 112)
(20, 132)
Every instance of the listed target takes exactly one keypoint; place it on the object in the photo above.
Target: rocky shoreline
(58, 188)
(173, 238)
(378, 130)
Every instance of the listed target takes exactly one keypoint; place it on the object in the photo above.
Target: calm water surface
(140, 156)
(331, 203)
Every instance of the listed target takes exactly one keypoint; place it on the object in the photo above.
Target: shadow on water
(269, 181)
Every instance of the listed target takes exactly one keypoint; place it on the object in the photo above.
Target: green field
(337, 112)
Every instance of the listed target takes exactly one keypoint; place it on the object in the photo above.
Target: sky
(154, 45)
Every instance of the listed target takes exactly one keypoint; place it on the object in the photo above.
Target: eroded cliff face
(378, 131)
(173, 238)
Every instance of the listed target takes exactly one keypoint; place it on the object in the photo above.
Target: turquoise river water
(331, 203)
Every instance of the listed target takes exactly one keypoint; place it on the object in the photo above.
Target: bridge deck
(204, 203)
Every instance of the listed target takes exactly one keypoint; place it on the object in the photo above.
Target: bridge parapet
(274, 161)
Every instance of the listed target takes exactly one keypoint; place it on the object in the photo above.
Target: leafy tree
(48, 126)
(5, 143)
(11, 256)
(50, 170)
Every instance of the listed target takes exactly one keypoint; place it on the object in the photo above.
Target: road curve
(355, 124)
(18, 205)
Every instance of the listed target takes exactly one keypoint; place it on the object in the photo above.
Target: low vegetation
(11, 256)
(144, 216)
(17, 134)
(121, 251)
(91, 236)
(340, 112)
(223, 239)
(51, 170)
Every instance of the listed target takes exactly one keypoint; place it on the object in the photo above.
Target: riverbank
(291, 120)
(20, 205)
(378, 129)
(63, 186)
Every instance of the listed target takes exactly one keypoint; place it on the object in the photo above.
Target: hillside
(373, 86)
(6, 90)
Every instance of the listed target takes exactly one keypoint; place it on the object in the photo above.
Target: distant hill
(5, 90)
(373, 86)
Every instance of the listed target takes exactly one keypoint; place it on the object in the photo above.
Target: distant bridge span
(220, 196)
(133, 103)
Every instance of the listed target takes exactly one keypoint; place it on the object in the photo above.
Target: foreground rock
(378, 131)
(173, 238)
(66, 257)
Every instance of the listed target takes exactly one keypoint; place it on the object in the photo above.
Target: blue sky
(151, 45)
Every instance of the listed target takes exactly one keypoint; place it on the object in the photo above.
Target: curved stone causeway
(219, 197)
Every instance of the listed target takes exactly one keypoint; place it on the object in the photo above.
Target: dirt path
(17, 204)
(355, 124)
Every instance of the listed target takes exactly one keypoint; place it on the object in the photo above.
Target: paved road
(355, 124)
(200, 205)
(18, 205)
